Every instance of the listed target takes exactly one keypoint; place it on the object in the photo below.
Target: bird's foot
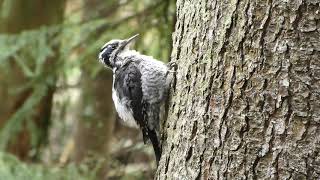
(172, 65)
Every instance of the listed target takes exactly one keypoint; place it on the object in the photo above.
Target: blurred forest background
(56, 113)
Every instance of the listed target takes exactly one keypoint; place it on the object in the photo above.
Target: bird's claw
(172, 65)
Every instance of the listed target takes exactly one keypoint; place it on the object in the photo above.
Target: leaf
(22, 63)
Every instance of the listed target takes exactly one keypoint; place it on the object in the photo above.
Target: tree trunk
(94, 129)
(17, 16)
(245, 104)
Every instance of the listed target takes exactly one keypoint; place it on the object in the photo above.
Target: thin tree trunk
(17, 16)
(96, 118)
(246, 100)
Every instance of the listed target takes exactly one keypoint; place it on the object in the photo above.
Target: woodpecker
(140, 88)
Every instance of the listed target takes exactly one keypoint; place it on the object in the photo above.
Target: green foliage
(12, 169)
(31, 51)
(34, 50)
(48, 56)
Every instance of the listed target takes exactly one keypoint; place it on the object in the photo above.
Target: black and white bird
(140, 88)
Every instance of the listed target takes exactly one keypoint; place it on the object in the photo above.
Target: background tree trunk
(96, 119)
(246, 101)
(17, 16)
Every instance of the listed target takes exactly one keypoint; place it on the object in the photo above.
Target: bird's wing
(128, 78)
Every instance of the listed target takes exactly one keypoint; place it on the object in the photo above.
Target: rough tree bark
(246, 101)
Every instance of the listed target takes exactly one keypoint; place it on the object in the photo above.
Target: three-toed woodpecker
(140, 88)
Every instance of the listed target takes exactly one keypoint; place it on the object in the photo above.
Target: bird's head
(111, 49)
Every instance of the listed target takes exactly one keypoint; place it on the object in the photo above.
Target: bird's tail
(156, 144)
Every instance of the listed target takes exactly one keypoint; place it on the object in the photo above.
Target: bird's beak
(127, 41)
